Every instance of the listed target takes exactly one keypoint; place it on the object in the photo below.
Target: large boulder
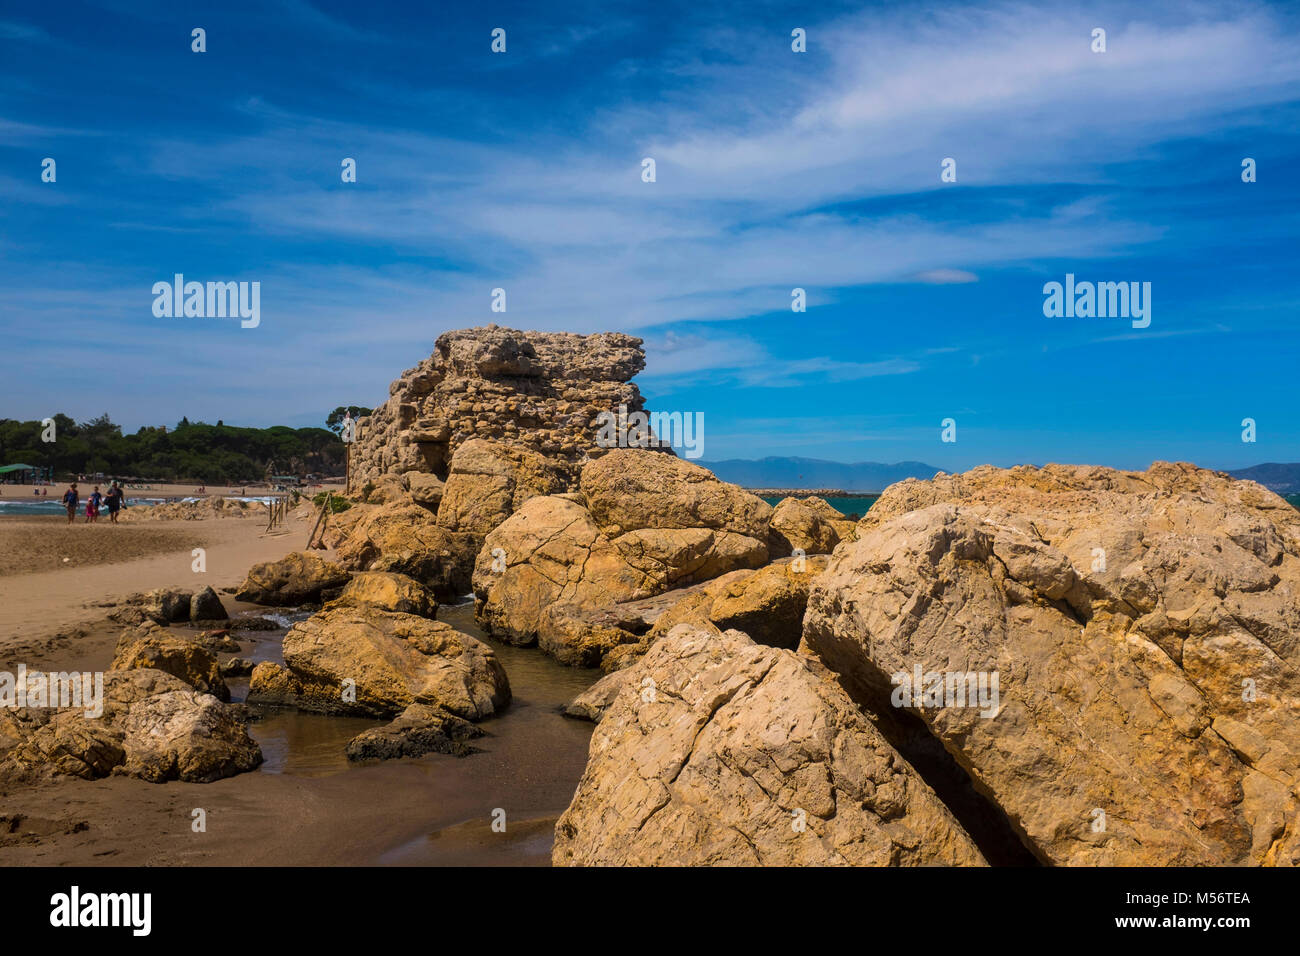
(151, 646)
(406, 539)
(717, 750)
(1144, 630)
(389, 591)
(360, 659)
(768, 604)
(549, 552)
(630, 490)
(560, 556)
(298, 578)
(488, 481)
(811, 525)
(153, 726)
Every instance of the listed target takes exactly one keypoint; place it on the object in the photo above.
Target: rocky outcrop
(532, 390)
(153, 726)
(642, 524)
(811, 525)
(405, 538)
(298, 578)
(388, 591)
(722, 751)
(1144, 628)
(488, 481)
(767, 604)
(360, 659)
(151, 646)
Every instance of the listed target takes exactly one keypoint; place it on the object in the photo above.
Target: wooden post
(324, 510)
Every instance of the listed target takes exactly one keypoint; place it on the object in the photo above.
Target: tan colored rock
(392, 660)
(406, 539)
(721, 751)
(151, 646)
(592, 703)
(488, 481)
(810, 524)
(426, 489)
(631, 490)
(153, 726)
(1145, 630)
(549, 552)
(767, 604)
(543, 571)
(386, 490)
(389, 591)
(297, 578)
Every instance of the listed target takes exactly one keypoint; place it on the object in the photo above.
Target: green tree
(335, 420)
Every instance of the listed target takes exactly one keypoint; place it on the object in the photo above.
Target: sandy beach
(152, 490)
(306, 805)
(55, 576)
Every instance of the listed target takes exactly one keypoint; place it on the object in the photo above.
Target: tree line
(189, 451)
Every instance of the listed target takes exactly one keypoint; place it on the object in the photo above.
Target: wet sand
(43, 595)
(307, 806)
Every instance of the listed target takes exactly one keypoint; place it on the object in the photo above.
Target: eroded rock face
(405, 538)
(151, 646)
(632, 489)
(767, 604)
(717, 750)
(153, 726)
(392, 660)
(547, 553)
(534, 390)
(1145, 630)
(811, 525)
(297, 578)
(488, 482)
(542, 569)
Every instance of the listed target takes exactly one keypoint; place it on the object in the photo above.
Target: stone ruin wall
(538, 390)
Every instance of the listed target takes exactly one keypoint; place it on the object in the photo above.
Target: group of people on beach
(114, 500)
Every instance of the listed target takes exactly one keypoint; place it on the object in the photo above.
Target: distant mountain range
(778, 472)
(816, 473)
(1284, 479)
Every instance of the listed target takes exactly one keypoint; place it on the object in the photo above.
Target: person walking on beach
(92, 505)
(70, 499)
(114, 501)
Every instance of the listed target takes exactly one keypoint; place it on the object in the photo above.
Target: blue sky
(775, 170)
